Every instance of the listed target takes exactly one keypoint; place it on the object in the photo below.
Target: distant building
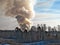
(38, 27)
(55, 28)
(44, 27)
(49, 28)
(41, 26)
(33, 28)
(58, 27)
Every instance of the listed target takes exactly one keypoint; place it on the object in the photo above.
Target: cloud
(51, 23)
(47, 18)
(45, 4)
(8, 23)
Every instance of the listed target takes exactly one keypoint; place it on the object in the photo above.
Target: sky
(47, 12)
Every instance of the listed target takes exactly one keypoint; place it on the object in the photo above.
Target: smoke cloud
(22, 10)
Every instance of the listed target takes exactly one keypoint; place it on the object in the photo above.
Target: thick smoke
(22, 10)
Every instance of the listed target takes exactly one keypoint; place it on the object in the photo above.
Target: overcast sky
(47, 11)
